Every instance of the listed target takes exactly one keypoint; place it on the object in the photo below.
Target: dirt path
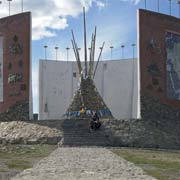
(83, 164)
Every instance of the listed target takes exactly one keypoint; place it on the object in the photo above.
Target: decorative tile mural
(13, 78)
(15, 48)
(153, 69)
(154, 47)
(173, 65)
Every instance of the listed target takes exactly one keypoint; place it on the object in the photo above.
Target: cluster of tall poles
(158, 6)
(79, 49)
(9, 4)
(56, 51)
(122, 50)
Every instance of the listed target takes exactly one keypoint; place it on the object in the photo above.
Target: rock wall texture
(17, 112)
(158, 128)
(28, 133)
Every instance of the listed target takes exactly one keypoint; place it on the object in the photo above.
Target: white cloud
(133, 1)
(100, 4)
(48, 16)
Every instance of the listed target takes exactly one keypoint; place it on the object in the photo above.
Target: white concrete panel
(116, 81)
(55, 88)
(1, 68)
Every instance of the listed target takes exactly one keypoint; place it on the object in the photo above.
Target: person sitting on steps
(95, 122)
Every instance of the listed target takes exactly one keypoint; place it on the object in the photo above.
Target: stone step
(84, 143)
(84, 139)
(84, 136)
(89, 139)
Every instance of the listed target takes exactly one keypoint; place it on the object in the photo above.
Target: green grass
(18, 164)
(26, 151)
(20, 157)
(159, 164)
(3, 170)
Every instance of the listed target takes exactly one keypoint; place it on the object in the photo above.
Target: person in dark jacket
(95, 122)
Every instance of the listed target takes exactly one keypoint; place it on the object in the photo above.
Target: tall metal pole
(133, 45)
(56, 49)
(79, 49)
(101, 49)
(93, 48)
(22, 4)
(85, 43)
(0, 2)
(45, 55)
(178, 3)
(111, 47)
(91, 56)
(9, 6)
(169, 7)
(76, 52)
(67, 53)
(89, 73)
(122, 47)
(145, 4)
(158, 5)
(89, 52)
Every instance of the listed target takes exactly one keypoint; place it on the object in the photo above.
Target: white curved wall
(116, 80)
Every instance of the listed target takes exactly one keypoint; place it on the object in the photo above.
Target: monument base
(17, 112)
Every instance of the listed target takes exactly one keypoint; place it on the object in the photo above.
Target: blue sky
(52, 21)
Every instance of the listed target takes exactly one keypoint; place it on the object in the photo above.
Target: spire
(85, 43)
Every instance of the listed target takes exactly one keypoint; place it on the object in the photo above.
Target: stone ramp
(83, 164)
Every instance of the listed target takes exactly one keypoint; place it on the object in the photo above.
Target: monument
(15, 67)
(159, 55)
(87, 97)
(114, 84)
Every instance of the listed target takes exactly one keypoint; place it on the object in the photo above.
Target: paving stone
(83, 164)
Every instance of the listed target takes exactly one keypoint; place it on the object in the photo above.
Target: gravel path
(83, 164)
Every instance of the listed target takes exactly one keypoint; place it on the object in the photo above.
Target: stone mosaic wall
(17, 112)
(158, 127)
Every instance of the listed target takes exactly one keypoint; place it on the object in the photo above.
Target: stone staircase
(77, 133)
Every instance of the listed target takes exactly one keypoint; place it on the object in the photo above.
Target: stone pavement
(73, 163)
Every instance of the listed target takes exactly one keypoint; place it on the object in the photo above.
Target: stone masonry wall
(157, 129)
(17, 112)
